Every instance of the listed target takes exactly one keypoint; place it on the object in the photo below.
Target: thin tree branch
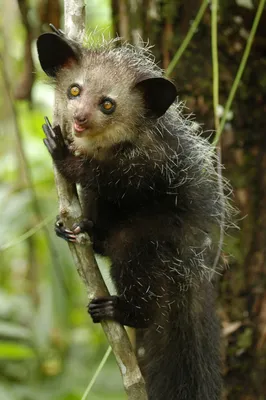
(187, 39)
(70, 211)
(215, 91)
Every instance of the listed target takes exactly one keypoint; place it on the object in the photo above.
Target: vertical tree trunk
(242, 300)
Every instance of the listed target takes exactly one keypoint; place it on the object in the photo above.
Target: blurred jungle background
(49, 348)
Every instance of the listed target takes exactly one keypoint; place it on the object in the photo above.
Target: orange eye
(107, 106)
(74, 91)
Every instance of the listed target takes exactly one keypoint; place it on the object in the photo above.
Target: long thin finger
(47, 144)
(48, 131)
(48, 134)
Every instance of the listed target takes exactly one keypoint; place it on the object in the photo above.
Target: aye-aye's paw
(54, 141)
(70, 235)
(103, 308)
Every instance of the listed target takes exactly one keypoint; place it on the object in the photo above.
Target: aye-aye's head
(107, 93)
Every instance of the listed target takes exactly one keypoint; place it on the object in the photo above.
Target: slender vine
(215, 91)
(215, 63)
(97, 372)
(187, 39)
(26, 235)
(240, 71)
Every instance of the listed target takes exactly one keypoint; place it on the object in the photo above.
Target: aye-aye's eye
(107, 105)
(73, 91)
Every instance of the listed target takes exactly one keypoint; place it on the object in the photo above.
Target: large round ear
(158, 93)
(55, 52)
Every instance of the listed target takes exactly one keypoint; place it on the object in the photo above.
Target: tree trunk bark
(242, 298)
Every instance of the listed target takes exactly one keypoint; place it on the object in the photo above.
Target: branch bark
(70, 212)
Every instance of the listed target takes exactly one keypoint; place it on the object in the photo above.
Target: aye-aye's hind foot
(116, 308)
(104, 308)
(70, 235)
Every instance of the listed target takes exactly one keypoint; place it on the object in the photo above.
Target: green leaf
(15, 351)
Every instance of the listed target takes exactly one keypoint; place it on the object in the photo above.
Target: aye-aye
(158, 204)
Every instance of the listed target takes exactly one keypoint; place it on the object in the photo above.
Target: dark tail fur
(181, 361)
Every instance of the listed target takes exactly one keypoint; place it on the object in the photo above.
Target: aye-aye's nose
(80, 119)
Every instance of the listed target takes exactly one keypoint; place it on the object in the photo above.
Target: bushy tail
(182, 362)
